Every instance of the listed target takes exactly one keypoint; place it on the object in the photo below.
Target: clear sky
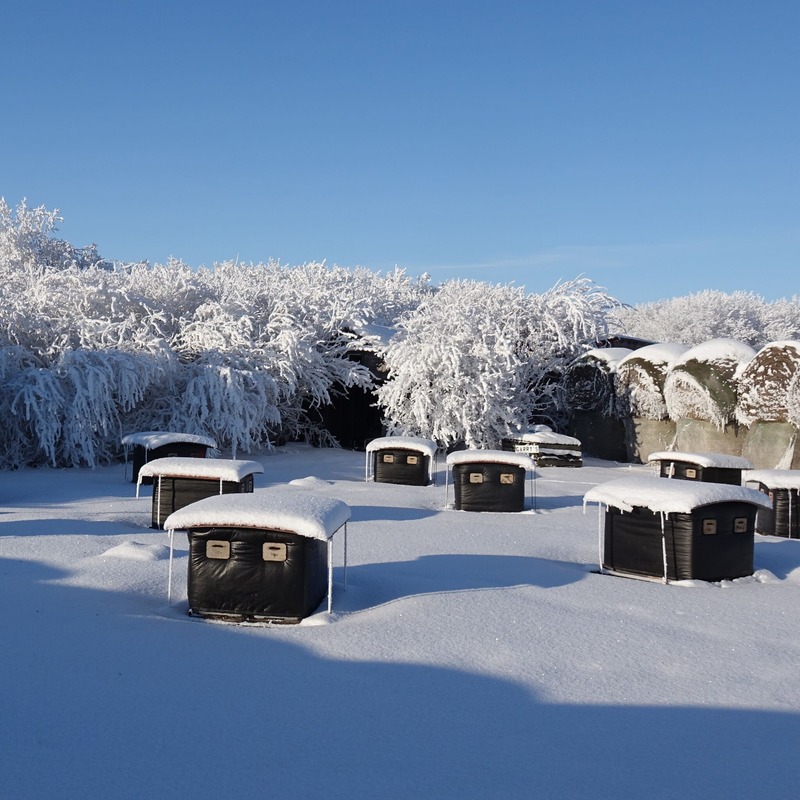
(651, 146)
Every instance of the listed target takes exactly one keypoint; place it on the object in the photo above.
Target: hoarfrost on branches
(477, 362)
(707, 315)
(91, 350)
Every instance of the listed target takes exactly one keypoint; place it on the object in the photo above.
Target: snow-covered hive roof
(491, 457)
(764, 384)
(722, 460)
(702, 383)
(224, 469)
(547, 436)
(640, 379)
(590, 379)
(150, 440)
(774, 478)
(282, 509)
(662, 495)
(426, 446)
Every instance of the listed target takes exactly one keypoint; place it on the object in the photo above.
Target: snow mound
(310, 482)
(136, 551)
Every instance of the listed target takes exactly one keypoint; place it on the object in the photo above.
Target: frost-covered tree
(91, 350)
(476, 362)
(703, 316)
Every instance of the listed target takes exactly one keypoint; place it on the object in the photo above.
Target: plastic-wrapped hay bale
(640, 381)
(701, 395)
(406, 460)
(177, 482)
(489, 480)
(703, 467)
(675, 530)
(264, 556)
(782, 487)
(150, 445)
(768, 405)
(590, 387)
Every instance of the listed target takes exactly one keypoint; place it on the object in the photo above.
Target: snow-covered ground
(472, 656)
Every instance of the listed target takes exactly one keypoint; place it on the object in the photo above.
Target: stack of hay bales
(769, 405)
(594, 417)
(701, 394)
(640, 381)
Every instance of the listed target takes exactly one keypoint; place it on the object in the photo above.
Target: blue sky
(652, 147)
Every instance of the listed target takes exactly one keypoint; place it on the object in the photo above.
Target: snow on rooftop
(152, 439)
(774, 478)
(491, 456)
(426, 446)
(702, 459)
(281, 508)
(669, 496)
(547, 437)
(224, 469)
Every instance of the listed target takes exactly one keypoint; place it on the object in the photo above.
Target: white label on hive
(709, 526)
(218, 549)
(274, 551)
(507, 477)
(388, 458)
(412, 460)
(475, 477)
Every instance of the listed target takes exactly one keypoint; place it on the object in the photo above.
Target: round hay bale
(702, 384)
(640, 380)
(589, 380)
(763, 384)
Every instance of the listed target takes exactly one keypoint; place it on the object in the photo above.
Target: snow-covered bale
(769, 404)
(702, 383)
(640, 381)
(675, 530)
(591, 393)
(404, 460)
(703, 467)
(701, 394)
(177, 482)
(264, 556)
(590, 380)
(763, 384)
(546, 447)
(489, 480)
(640, 378)
(782, 487)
